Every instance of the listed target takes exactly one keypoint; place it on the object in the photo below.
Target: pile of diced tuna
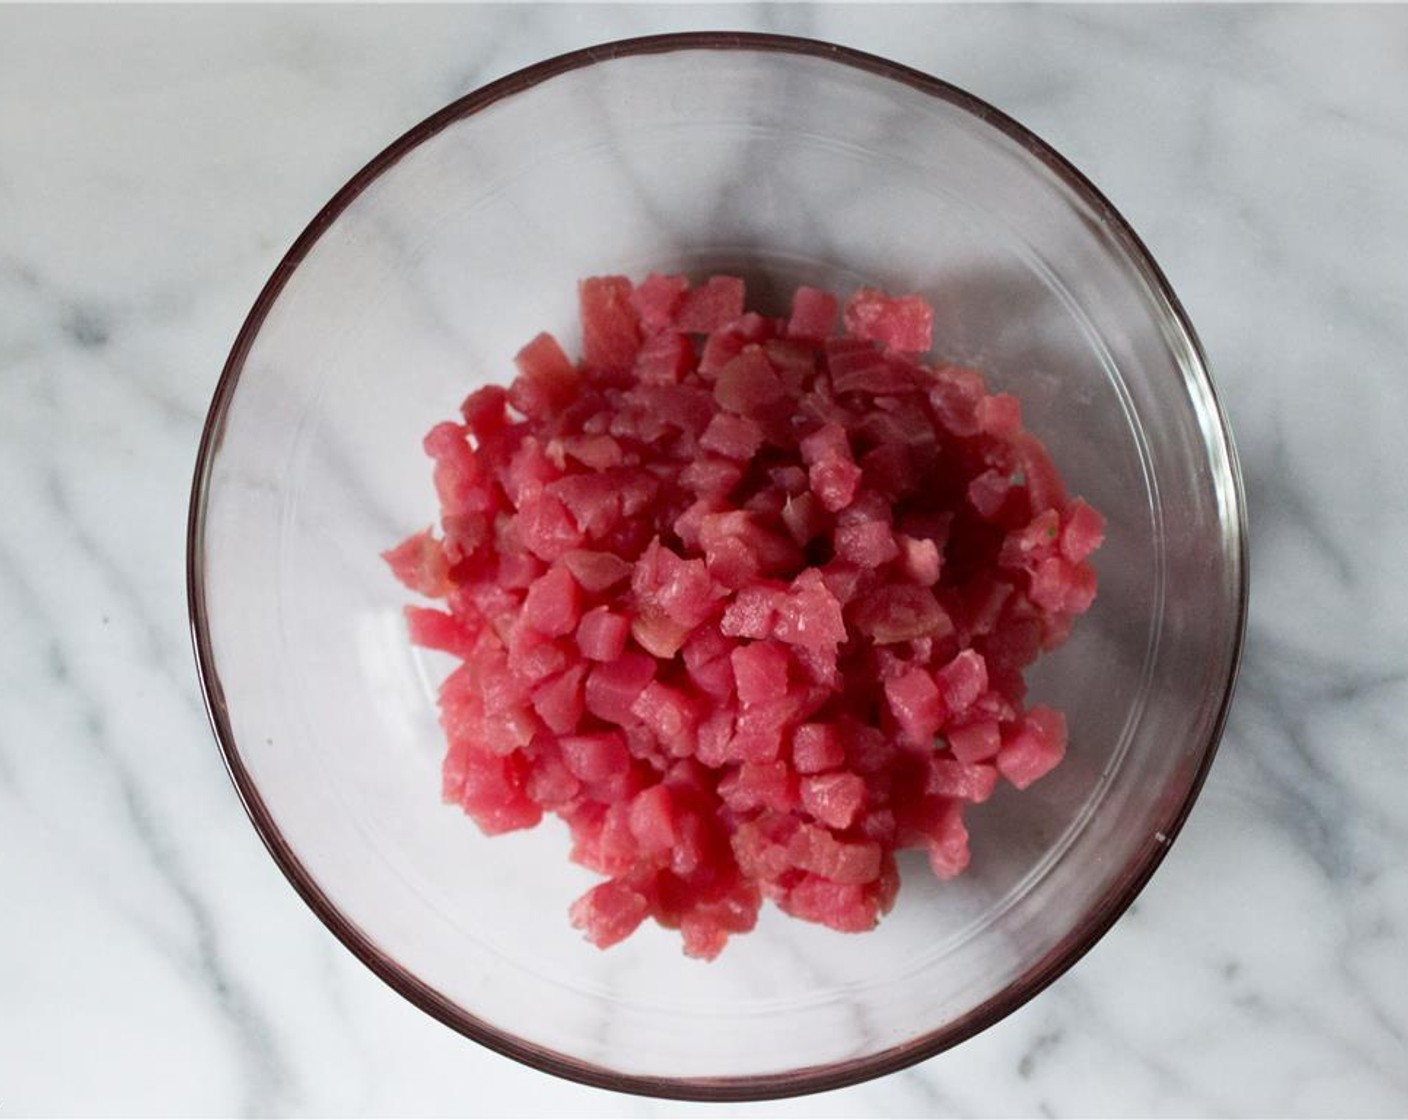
(745, 601)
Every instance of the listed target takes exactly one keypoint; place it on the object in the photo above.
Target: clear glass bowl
(787, 161)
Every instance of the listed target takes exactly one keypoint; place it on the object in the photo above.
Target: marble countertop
(155, 162)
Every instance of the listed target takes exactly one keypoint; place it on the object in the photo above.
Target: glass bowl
(787, 161)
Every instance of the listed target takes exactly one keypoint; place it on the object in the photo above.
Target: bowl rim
(1077, 941)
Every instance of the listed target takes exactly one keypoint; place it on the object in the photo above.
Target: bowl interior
(785, 165)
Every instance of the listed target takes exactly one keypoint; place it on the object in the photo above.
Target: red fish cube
(547, 380)
(733, 436)
(835, 799)
(1082, 533)
(602, 634)
(609, 913)
(817, 747)
(962, 780)
(711, 307)
(963, 680)
(813, 314)
(559, 701)
(610, 328)
(597, 756)
(917, 706)
(652, 819)
(553, 604)
(904, 323)
(760, 672)
(613, 687)
(1034, 748)
(657, 299)
(419, 562)
(974, 742)
(671, 715)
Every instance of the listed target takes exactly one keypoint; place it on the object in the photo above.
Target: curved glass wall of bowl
(786, 168)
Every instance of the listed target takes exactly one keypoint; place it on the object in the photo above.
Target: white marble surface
(154, 165)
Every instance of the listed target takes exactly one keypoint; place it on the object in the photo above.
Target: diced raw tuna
(458, 474)
(1034, 748)
(848, 908)
(419, 562)
(672, 715)
(835, 799)
(1058, 586)
(434, 629)
(1045, 490)
(732, 436)
(753, 613)
(754, 786)
(608, 913)
(483, 411)
(553, 604)
(760, 845)
(596, 756)
(988, 493)
(687, 408)
(664, 359)
(747, 611)
(869, 544)
(747, 385)
(601, 836)
(919, 559)
(494, 793)
(602, 634)
(826, 443)
(597, 452)
(974, 742)
(967, 781)
(949, 855)
(760, 672)
(657, 299)
(1083, 533)
(813, 314)
(804, 516)
(901, 612)
(918, 709)
(716, 733)
(809, 616)
(739, 547)
(559, 701)
(551, 784)
(711, 476)
(954, 394)
(868, 371)
(610, 328)
(835, 482)
(999, 415)
(707, 927)
(595, 572)
(612, 687)
(817, 747)
(595, 505)
(962, 681)
(1028, 546)
(814, 849)
(546, 529)
(720, 348)
(547, 380)
(903, 323)
(677, 587)
(652, 820)
(712, 306)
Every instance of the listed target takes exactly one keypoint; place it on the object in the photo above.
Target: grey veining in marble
(155, 163)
